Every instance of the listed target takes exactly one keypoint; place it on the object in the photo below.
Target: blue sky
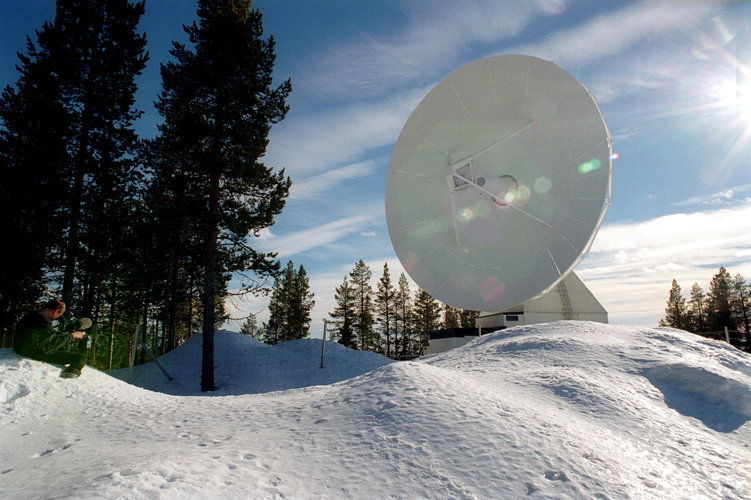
(665, 74)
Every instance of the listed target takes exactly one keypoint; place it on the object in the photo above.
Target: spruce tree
(451, 317)
(385, 305)
(219, 105)
(33, 145)
(427, 314)
(290, 306)
(675, 312)
(740, 303)
(304, 303)
(250, 326)
(467, 318)
(719, 314)
(363, 293)
(695, 313)
(403, 317)
(96, 54)
(272, 329)
(344, 315)
(76, 141)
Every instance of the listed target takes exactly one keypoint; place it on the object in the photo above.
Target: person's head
(53, 308)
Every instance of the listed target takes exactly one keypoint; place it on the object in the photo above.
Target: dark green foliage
(66, 142)
(727, 305)
(344, 315)
(740, 303)
(719, 314)
(219, 104)
(451, 317)
(290, 307)
(366, 336)
(675, 312)
(406, 345)
(132, 233)
(696, 309)
(467, 318)
(426, 316)
(385, 307)
(250, 326)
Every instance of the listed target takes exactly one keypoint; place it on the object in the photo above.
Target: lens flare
(589, 166)
(615, 156)
(465, 214)
(542, 185)
(492, 288)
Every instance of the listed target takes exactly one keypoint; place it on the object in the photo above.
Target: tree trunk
(75, 208)
(209, 291)
(112, 317)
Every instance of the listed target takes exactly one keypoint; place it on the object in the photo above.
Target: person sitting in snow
(35, 337)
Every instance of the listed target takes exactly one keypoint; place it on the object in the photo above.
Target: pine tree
(272, 329)
(33, 125)
(219, 105)
(740, 303)
(304, 303)
(695, 312)
(250, 326)
(450, 317)
(467, 318)
(344, 315)
(290, 303)
(719, 314)
(385, 304)
(289, 307)
(403, 318)
(675, 312)
(75, 97)
(427, 313)
(96, 54)
(363, 293)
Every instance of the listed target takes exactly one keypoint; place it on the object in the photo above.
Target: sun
(732, 98)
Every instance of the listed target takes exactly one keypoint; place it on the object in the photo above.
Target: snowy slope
(247, 366)
(562, 410)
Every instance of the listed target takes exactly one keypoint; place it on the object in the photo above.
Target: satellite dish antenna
(498, 182)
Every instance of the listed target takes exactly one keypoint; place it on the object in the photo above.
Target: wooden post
(133, 355)
(323, 344)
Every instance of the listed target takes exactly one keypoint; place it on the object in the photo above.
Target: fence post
(133, 355)
(155, 360)
(323, 344)
(727, 335)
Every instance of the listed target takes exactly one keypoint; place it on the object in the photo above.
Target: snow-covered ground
(560, 410)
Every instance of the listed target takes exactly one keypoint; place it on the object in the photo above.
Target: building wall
(550, 306)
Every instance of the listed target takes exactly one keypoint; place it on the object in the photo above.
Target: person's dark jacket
(35, 335)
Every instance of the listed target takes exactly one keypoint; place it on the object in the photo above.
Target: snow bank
(246, 366)
(562, 410)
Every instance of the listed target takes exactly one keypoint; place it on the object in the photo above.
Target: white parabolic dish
(498, 182)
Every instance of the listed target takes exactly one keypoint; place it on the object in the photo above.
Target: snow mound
(561, 410)
(244, 365)
(719, 402)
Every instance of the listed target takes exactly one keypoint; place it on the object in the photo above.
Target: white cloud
(305, 144)
(612, 33)
(631, 265)
(723, 197)
(319, 185)
(301, 241)
(435, 35)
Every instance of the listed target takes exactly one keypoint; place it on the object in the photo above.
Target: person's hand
(77, 335)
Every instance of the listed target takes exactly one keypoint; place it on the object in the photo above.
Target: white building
(570, 299)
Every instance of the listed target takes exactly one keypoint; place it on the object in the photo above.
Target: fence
(244, 365)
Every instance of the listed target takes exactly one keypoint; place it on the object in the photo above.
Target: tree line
(727, 303)
(128, 230)
(389, 319)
